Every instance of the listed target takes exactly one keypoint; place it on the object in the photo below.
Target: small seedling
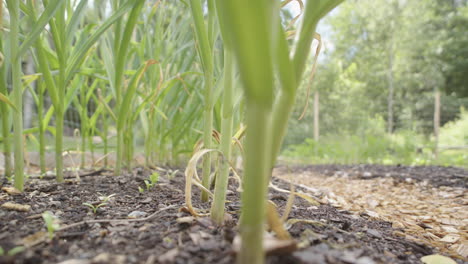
(103, 199)
(51, 222)
(153, 179)
(141, 190)
(12, 251)
(172, 174)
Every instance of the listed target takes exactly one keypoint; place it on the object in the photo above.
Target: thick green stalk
(105, 132)
(42, 126)
(314, 11)
(17, 93)
(59, 145)
(48, 82)
(255, 181)
(206, 57)
(5, 134)
(283, 105)
(291, 72)
(121, 48)
(84, 124)
(207, 132)
(118, 162)
(4, 110)
(217, 208)
(281, 113)
(5, 113)
(58, 34)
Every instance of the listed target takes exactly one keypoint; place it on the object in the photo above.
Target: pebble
(137, 214)
(374, 233)
(55, 203)
(75, 261)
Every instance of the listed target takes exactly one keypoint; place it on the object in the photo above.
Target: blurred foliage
(374, 145)
(422, 46)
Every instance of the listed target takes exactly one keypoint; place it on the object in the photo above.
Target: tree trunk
(436, 122)
(390, 93)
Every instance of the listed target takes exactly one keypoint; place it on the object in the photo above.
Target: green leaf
(5, 99)
(127, 99)
(16, 250)
(74, 21)
(79, 54)
(39, 25)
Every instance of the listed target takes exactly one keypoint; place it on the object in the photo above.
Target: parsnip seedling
(51, 223)
(152, 180)
(104, 201)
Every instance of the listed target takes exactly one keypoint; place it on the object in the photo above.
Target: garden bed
(162, 233)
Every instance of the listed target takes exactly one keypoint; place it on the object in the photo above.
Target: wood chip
(16, 207)
(450, 238)
(463, 250)
(11, 190)
(437, 259)
(35, 239)
(271, 245)
(185, 220)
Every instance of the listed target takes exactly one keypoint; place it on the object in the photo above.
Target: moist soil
(163, 233)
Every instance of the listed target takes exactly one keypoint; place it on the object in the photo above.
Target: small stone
(365, 260)
(374, 233)
(75, 261)
(185, 220)
(144, 236)
(55, 203)
(108, 258)
(147, 200)
(137, 214)
(169, 256)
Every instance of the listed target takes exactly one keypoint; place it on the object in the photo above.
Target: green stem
(104, 132)
(57, 26)
(118, 162)
(121, 48)
(281, 113)
(17, 93)
(257, 160)
(59, 116)
(4, 110)
(207, 133)
(129, 145)
(206, 56)
(217, 208)
(42, 126)
(5, 135)
(84, 124)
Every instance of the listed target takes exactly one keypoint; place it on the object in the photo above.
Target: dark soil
(343, 237)
(435, 175)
